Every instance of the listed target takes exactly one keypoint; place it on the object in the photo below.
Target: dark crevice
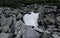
(21, 36)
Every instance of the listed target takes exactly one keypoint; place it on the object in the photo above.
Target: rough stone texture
(30, 33)
(6, 35)
(12, 23)
(18, 26)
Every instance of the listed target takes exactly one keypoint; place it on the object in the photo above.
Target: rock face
(43, 22)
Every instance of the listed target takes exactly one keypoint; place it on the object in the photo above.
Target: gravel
(12, 24)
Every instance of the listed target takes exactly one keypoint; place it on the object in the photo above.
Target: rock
(25, 10)
(49, 8)
(30, 33)
(15, 11)
(39, 29)
(1, 10)
(6, 21)
(31, 19)
(41, 9)
(58, 18)
(19, 16)
(28, 6)
(50, 29)
(55, 36)
(6, 29)
(59, 27)
(50, 19)
(35, 6)
(51, 26)
(5, 24)
(2, 20)
(18, 26)
(7, 10)
(6, 35)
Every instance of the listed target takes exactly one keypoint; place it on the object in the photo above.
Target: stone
(1, 10)
(25, 10)
(7, 11)
(30, 33)
(6, 29)
(50, 19)
(58, 18)
(49, 26)
(49, 8)
(7, 8)
(6, 35)
(39, 29)
(19, 16)
(31, 19)
(18, 26)
(41, 9)
(6, 21)
(35, 6)
(15, 11)
(55, 36)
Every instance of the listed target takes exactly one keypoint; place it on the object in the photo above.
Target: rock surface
(45, 24)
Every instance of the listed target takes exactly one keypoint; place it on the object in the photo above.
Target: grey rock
(15, 11)
(55, 36)
(59, 27)
(6, 35)
(49, 8)
(30, 33)
(51, 26)
(7, 8)
(18, 26)
(2, 20)
(58, 18)
(41, 9)
(6, 29)
(25, 10)
(5, 24)
(39, 29)
(1, 10)
(19, 16)
(6, 21)
(49, 19)
(35, 6)
(7, 11)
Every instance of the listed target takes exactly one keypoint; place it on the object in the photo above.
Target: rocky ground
(12, 24)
